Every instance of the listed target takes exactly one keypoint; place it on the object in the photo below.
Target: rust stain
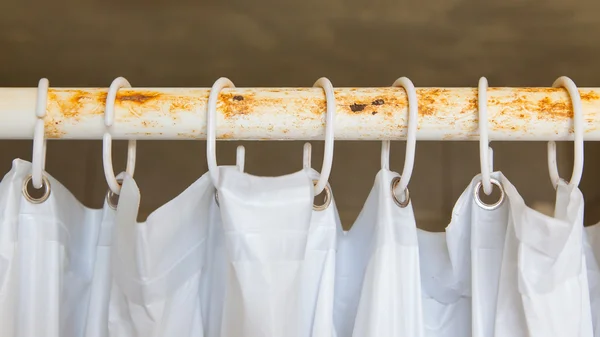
(137, 97)
(181, 104)
(550, 109)
(138, 102)
(589, 96)
(52, 129)
(73, 103)
(430, 99)
(357, 107)
(226, 136)
(426, 110)
(191, 135)
(472, 105)
(539, 90)
(387, 101)
(234, 105)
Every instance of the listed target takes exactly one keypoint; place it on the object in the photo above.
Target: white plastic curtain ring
(401, 188)
(578, 125)
(325, 83)
(240, 162)
(109, 173)
(385, 154)
(484, 142)
(38, 160)
(483, 205)
(42, 98)
(306, 156)
(240, 157)
(211, 134)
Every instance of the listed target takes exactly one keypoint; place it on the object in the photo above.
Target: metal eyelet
(401, 204)
(327, 200)
(489, 207)
(112, 198)
(45, 186)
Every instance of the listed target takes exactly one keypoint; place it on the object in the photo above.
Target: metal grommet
(327, 200)
(45, 185)
(489, 207)
(112, 198)
(406, 201)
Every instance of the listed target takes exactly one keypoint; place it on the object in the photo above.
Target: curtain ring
(38, 160)
(240, 162)
(240, 157)
(578, 126)
(306, 165)
(400, 186)
(306, 156)
(325, 83)
(211, 136)
(484, 143)
(111, 180)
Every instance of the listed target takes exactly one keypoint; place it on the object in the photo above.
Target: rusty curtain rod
(299, 113)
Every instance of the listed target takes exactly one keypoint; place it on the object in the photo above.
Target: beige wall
(277, 43)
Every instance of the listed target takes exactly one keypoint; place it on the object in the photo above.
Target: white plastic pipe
(299, 113)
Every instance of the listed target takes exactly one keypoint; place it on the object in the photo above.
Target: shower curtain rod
(298, 113)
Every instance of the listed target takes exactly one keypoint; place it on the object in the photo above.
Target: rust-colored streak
(73, 103)
(180, 104)
(548, 90)
(52, 129)
(589, 96)
(137, 103)
(235, 105)
(472, 105)
(431, 99)
(137, 97)
(553, 110)
(378, 101)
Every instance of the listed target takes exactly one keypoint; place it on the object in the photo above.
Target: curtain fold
(252, 256)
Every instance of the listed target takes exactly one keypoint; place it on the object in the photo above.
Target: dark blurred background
(185, 43)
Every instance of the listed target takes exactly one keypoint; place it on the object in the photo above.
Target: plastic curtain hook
(578, 125)
(325, 83)
(484, 143)
(109, 113)
(306, 156)
(400, 188)
(211, 135)
(240, 157)
(38, 160)
(385, 154)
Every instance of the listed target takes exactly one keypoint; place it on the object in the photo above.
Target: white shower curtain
(252, 257)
